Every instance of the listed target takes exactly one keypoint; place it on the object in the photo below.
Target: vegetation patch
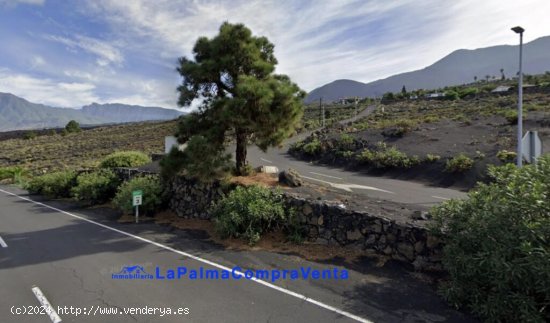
(497, 245)
(459, 164)
(95, 187)
(249, 212)
(53, 185)
(152, 194)
(125, 159)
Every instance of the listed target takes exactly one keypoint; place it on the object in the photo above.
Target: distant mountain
(459, 67)
(119, 113)
(17, 113)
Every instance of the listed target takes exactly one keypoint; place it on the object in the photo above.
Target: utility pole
(519, 30)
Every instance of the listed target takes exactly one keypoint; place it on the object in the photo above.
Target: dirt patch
(262, 179)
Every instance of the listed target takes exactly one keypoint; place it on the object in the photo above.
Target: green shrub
(459, 164)
(125, 159)
(345, 142)
(313, 147)
(29, 135)
(497, 245)
(152, 194)
(430, 158)
(511, 116)
(387, 158)
(14, 174)
(53, 185)
(72, 126)
(205, 161)
(506, 156)
(95, 187)
(451, 95)
(248, 212)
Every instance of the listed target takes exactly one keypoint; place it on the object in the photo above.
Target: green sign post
(137, 198)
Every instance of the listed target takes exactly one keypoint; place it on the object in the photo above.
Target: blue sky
(72, 53)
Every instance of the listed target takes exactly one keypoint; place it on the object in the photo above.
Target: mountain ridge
(458, 67)
(18, 113)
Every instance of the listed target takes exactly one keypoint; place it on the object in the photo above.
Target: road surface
(55, 254)
(408, 192)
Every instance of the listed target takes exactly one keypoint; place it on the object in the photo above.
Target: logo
(132, 272)
(236, 273)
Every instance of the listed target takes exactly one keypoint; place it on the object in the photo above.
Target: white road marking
(439, 197)
(46, 305)
(267, 161)
(325, 175)
(348, 187)
(205, 261)
(3, 243)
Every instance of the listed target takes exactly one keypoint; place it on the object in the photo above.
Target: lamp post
(519, 30)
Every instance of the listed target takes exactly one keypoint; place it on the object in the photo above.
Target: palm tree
(502, 74)
(475, 79)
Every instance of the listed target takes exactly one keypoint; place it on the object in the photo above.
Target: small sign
(531, 146)
(137, 198)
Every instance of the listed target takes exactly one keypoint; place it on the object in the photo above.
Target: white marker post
(137, 197)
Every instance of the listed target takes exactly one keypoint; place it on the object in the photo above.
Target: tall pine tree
(232, 74)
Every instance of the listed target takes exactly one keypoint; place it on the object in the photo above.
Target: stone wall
(332, 224)
(192, 199)
(327, 223)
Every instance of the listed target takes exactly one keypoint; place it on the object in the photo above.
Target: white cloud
(47, 91)
(13, 3)
(316, 41)
(106, 52)
(37, 61)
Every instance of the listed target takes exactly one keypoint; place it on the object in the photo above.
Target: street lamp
(519, 30)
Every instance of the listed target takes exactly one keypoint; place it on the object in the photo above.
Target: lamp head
(518, 30)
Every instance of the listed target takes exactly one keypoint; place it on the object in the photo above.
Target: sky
(72, 53)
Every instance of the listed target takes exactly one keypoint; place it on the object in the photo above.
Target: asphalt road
(400, 191)
(71, 255)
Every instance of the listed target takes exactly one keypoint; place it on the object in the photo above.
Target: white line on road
(348, 187)
(267, 161)
(439, 197)
(204, 261)
(46, 305)
(325, 175)
(3, 243)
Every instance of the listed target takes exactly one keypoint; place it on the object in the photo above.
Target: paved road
(408, 192)
(71, 255)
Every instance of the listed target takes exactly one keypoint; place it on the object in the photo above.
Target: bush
(459, 164)
(125, 159)
(511, 116)
(29, 135)
(53, 185)
(312, 148)
(152, 194)
(248, 212)
(430, 158)
(387, 158)
(497, 245)
(95, 187)
(72, 126)
(506, 156)
(14, 174)
(206, 161)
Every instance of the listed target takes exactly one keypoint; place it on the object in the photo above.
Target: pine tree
(233, 74)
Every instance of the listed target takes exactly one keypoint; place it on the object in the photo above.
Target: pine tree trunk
(240, 154)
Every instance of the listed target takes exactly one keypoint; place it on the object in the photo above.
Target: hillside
(17, 113)
(459, 67)
(84, 149)
(418, 139)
